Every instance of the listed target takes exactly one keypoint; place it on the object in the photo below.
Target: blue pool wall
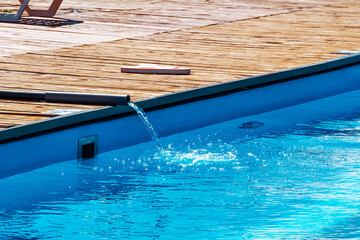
(35, 152)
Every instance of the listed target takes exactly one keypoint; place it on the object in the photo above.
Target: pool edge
(76, 119)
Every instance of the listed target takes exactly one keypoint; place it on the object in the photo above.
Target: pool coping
(178, 98)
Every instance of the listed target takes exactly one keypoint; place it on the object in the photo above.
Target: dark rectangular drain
(88, 147)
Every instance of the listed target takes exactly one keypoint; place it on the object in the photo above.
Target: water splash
(140, 112)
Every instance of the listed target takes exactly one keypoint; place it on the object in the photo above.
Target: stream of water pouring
(150, 128)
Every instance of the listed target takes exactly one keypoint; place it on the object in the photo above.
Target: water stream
(140, 112)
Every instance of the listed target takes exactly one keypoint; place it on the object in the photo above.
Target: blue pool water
(294, 176)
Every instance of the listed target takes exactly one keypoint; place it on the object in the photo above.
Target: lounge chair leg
(15, 17)
(54, 7)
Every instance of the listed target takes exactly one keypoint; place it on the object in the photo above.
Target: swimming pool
(294, 175)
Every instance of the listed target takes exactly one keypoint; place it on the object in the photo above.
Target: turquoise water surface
(294, 174)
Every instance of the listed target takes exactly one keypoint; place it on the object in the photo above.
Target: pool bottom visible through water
(295, 175)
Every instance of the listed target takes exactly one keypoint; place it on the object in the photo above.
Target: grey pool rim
(178, 98)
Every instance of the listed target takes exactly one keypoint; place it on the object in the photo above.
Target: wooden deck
(219, 40)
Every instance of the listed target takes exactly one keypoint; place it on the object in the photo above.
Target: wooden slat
(106, 20)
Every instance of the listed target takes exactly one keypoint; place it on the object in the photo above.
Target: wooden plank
(106, 20)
